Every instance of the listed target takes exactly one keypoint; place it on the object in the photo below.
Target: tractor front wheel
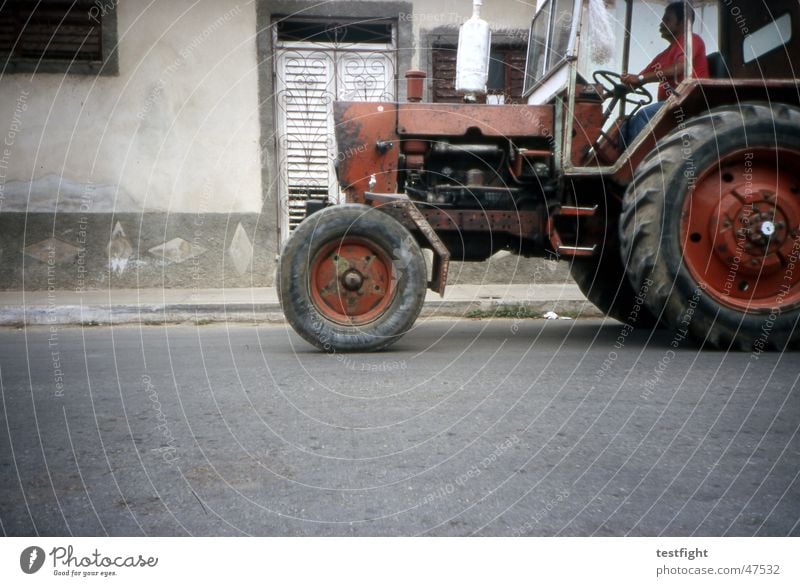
(711, 228)
(351, 278)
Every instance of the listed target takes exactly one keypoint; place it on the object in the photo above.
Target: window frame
(747, 40)
(550, 6)
(439, 40)
(108, 64)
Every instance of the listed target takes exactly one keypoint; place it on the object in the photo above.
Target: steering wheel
(613, 88)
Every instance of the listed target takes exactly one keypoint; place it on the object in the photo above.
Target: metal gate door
(309, 77)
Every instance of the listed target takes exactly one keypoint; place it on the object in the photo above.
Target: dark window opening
(334, 32)
(504, 83)
(57, 36)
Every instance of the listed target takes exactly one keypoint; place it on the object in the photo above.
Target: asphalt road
(463, 428)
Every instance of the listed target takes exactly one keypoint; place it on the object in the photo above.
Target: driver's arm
(648, 75)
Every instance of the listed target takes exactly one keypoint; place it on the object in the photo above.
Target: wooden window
(76, 36)
(506, 75)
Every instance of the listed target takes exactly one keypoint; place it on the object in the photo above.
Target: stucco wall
(176, 131)
(164, 174)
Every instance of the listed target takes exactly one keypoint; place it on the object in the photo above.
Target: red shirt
(672, 55)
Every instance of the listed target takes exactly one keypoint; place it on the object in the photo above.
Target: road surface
(483, 427)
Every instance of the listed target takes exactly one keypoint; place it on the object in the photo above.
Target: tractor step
(576, 211)
(555, 237)
(577, 250)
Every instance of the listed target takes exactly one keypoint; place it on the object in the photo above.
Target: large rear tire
(711, 227)
(605, 284)
(351, 278)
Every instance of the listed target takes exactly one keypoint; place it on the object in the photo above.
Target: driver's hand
(630, 80)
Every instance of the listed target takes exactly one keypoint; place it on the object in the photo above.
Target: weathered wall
(163, 175)
(179, 121)
(151, 177)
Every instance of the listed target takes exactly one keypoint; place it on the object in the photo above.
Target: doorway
(317, 62)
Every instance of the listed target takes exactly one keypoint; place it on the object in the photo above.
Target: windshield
(548, 41)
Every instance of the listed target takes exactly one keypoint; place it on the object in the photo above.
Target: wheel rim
(741, 230)
(351, 281)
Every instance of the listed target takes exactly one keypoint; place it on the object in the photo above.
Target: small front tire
(351, 279)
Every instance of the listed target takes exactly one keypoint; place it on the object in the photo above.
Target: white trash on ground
(554, 315)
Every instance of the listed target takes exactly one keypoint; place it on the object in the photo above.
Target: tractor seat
(717, 68)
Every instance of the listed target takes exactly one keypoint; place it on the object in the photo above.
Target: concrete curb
(153, 307)
(140, 314)
(263, 313)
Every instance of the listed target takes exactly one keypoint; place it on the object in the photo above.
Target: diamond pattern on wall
(119, 250)
(177, 250)
(52, 250)
(241, 250)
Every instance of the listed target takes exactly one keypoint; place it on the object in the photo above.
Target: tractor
(694, 226)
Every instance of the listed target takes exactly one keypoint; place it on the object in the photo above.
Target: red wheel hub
(351, 281)
(741, 230)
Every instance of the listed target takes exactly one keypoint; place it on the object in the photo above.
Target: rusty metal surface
(586, 130)
(528, 225)
(586, 250)
(360, 127)
(414, 219)
(523, 224)
(441, 120)
(351, 281)
(441, 257)
(700, 95)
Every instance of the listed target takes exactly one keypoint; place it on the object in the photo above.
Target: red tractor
(694, 226)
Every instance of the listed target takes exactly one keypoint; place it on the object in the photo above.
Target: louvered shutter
(305, 103)
(51, 30)
(308, 82)
(444, 76)
(515, 76)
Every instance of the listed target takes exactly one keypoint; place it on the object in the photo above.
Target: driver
(666, 68)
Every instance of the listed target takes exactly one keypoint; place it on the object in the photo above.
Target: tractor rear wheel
(351, 278)
(605, 284)
(711, 225)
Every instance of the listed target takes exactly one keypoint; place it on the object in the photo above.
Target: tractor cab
(579, 49)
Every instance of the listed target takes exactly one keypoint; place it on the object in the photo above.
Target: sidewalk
(260, 305)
